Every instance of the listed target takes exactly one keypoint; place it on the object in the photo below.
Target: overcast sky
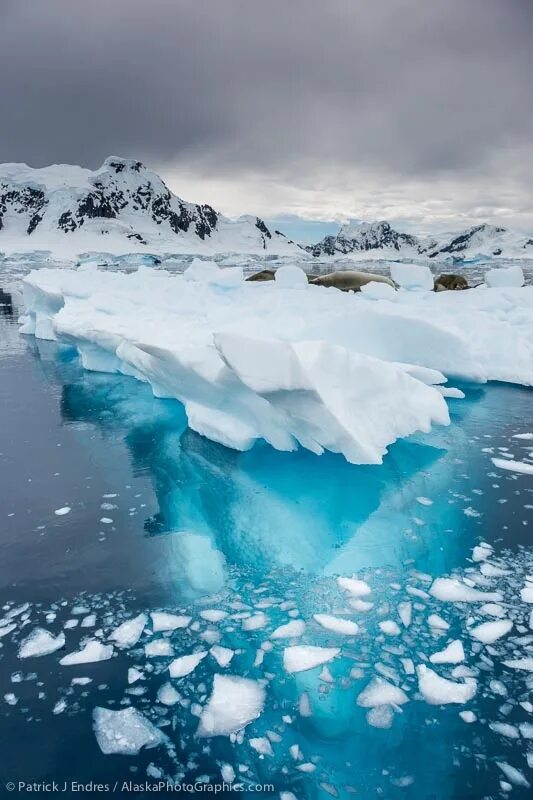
(420, 111)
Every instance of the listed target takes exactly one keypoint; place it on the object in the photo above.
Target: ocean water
(161, 519)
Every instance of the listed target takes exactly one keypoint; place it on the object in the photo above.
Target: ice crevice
(285, 362)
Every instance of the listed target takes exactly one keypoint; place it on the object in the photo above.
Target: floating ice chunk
(405, 612)
(59, 707)
(452, 654)
(360, 605)
(489, 632)
(222, 655)
(527, 594)
(184, 665)
(262, 746)
(291, 630)
(126, 731)
(89, 621)
(505, 729)
(81, 681)
(424, 501)
(380, 692)
(526, 730)
(11, 699)
(92, 651)
(451, 391)
(129, 633)
(513, 775)
(291, 277)
(60, 512)
(437, 623)
(468, 716)
(234, 703)
(492, 571)
(498, 688)
(492, 609)
(513, 466)
(454, 591)
(255, 622)
(167, 695)
(389, 627)
(40, 642)
(158, 648)
(440, 691)
(504, 276)
(520, 663)
(345, 627)
(228, 773)
(303, 657)
(134, 675)
(354, 586)
(412, 276)
(527, 436)
(162, 621)
(213, 614)
(4, 630)
(481, 552)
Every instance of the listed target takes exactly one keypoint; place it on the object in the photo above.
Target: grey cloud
(283, 86)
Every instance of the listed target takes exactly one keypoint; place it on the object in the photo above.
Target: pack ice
(283, 361)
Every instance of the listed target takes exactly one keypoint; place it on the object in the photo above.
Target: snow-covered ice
(354, 586)
(234, 703)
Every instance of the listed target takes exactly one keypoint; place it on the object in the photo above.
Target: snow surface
(307, 366)
(234, 703)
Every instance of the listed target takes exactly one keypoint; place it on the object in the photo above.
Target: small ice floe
(255, 622)
(492, 571)
(5, 629)
(134, 675)
(481, 552)
(234, 703)
(262, 746)
(452, 654)
(526, 730)
(92, 651)
(11, 699)
(158, 648)
(213, 614)
(440, 691)
(303, 657)
(405, 612)
(455, 591)
(60, 512)
(81, 681)
(222, 655)
(40, 642)
(525, 664)
(505, 729)
(126, 731)
(163, 621)
(380, 717)
(344, 627)
(89, 621)
(380, 692)
(513, 466)
(526, 436)
(527, 594)
(437, 623)
(360, 605)
(424, 501)
(513, 775)
(353, 586)
(468, 716)
(389, 627)
(128, 634)
(492, 610)
(59, 707)
(228, 773)
(184, 665)
(490, 632)
(291, 630)
(168, 695)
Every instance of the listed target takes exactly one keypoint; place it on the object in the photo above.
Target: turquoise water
(190, 524)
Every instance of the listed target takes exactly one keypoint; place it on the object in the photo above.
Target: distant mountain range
(381, 239)
(121, 207)
(125, 208)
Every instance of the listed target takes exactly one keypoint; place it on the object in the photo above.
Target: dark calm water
(163, 519)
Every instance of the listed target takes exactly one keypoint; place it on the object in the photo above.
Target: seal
(350, 280)
(450, 282)
(264, 275)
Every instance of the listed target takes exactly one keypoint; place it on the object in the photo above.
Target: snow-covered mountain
(381, 240)
(121, 207)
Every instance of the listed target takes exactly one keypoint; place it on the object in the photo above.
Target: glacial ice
(300, 658)
(354, 586)
(93, 650)
(163, 621)
(452, 654)
(234, 703)
(344, 627)
(126, 731)
(184, 665)
(128, 633)
(513, 466)
(380, 692)
(290, 630)
(490, 632)
(455, 591)
(439, 691)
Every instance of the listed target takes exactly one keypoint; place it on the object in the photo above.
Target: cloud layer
(293, 97)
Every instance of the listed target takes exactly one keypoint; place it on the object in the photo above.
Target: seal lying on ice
(450, 282)
(350, 280)
(264, 275)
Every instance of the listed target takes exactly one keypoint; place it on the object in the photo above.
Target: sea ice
(344, 627)
(184, 665)
(262, 746)
(158, 648)
(92, 651)
(454, 591)
(452, 654)
(40, 642)
(439, 691)
(505, 276)
(126, 731)
(167, 695)
(234, 703)
(513, 466)
(354, 586)
(162, 621)
(389, 627)
(129, 633)
(437, 623)
(380, 692)
(291, 630)
(303, 657)
(222, 655)
(489, 632)
(513, 775)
